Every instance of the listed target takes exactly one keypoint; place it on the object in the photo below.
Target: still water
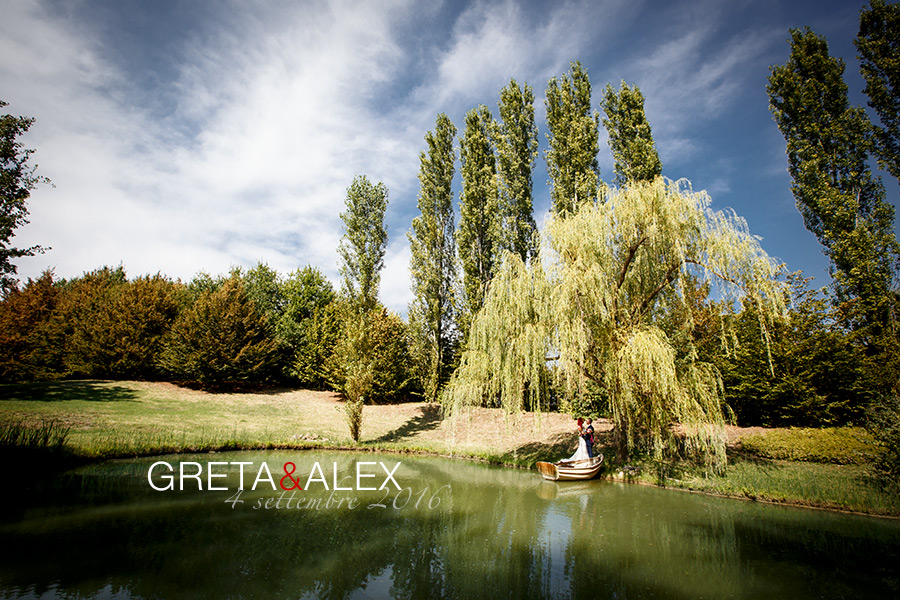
(454, 530)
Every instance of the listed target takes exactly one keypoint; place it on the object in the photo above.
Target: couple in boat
(585, 440)
(581, 465)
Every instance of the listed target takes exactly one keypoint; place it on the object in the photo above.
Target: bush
(371, 358)
(221, 338)
(884, 426)
(839, 445)
(30, 343)
(115, 328)
(818, 367)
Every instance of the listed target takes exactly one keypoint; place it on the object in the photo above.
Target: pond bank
(115, 419)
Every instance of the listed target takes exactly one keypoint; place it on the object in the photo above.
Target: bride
(582, 452)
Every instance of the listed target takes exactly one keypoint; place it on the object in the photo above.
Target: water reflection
(457, 530)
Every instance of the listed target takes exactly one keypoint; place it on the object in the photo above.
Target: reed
(47, 436)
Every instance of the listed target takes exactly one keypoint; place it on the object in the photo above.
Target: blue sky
(188, 136)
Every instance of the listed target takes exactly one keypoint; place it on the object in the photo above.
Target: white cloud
(272, 120)
(245, 153)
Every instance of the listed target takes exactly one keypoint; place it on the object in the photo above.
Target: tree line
(637, 301)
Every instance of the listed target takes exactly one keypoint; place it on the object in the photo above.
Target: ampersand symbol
(287, 475)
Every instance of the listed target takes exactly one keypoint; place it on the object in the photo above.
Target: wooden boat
(570, 470)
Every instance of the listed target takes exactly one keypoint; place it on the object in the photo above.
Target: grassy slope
(109, 419)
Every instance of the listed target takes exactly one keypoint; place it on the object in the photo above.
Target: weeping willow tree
(589, 315)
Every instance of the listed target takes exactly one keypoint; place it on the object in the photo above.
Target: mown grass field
(111, 419)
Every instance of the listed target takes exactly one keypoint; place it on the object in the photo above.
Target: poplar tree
(363, 245)
(478, 236)
(433, 258)
(573, 137)
(841, 201)
(630, 139)
(517, 147)
(592, 314)
(878, 43)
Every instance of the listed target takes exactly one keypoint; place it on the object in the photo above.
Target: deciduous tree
(516, 142)
(840, 199)
(573, 137)
(363, 244)
(17, 180)
(878, 43)
(478, 236)
(630, 139)
(433, 258)
(595, 313)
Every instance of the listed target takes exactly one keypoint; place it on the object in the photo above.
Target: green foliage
(318, 337)
(221, 338)
(115, 328)
(516, 142)
(478, 236)
(884, 426)
(839, 445)
(878, 43)
(433, 260)
(202, 283)
(630, 138)
(363, 244)
(574, 141)
(371, 357)
(810, 371)
(615, 267)
(31, 342)
(842, 203)
(303, 326)
(264, 288)
(17, 180)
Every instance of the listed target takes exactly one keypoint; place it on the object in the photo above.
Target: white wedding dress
(582, 452)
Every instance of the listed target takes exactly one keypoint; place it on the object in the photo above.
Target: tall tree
(517, 148)
(878, 43)
(17, 179)
(363, 245)
(630, 138)
(619, 265)
(478, 236)
(572, 156)
(841, 201)
(433, 257)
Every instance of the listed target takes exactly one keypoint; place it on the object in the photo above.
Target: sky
(189, 136)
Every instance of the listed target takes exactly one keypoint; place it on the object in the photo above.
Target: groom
(588, 435)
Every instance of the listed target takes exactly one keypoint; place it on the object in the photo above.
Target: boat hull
(574, 470)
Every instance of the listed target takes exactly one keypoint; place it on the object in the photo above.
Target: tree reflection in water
(494, 533)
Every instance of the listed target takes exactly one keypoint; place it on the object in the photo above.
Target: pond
(453, 529)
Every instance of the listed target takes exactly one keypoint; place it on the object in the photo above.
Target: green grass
(840, 487)
(837, 445)
(113, 419)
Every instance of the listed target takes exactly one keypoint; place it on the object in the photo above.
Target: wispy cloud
(239, 142)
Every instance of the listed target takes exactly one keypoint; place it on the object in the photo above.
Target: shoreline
(109, 420)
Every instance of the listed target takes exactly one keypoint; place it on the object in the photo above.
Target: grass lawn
(109, 419)
(128, 418)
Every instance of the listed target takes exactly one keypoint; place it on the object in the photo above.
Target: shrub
(30, 344)
(884, 426)
(839, 445)
(372, 357)
(221, 338)
(115, 328)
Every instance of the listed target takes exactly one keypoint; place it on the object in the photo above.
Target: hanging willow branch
(611, 270)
